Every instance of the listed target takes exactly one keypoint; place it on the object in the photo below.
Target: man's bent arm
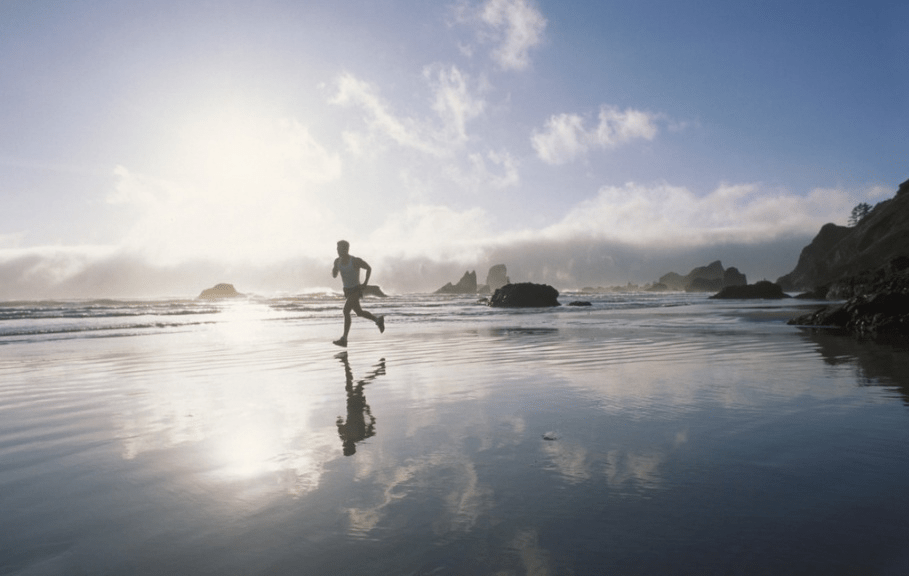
(368, 269)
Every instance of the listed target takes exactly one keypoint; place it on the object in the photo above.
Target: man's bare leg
(379, 320)
(353, 304)
(342, 341)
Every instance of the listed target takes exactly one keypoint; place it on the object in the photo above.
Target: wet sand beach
(708, 438)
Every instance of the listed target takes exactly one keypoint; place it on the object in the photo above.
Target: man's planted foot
(380, 322)
(340, 342)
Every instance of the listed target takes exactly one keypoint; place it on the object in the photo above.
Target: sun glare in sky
(189, 142)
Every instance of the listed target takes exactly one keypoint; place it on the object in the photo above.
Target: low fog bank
(62, 273)
(575, 264)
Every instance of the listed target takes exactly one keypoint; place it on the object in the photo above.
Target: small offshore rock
(580, 303)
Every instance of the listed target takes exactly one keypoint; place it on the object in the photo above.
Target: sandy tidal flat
(700, 437)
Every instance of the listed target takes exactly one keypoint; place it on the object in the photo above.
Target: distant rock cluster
(710, 278)
(495, 279)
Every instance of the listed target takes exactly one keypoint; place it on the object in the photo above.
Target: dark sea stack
(699, 284)
(840, 252)
(525, 295)
(497, 277)
(220, 291)
(763, 290)
(712, 271)
(732, 277)
(466, 285)
(672, 281)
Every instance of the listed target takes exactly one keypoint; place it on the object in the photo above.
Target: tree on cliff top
(859, 212)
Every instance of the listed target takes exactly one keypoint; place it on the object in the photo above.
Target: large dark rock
(839, 252)
(466, 285)
(763, 290)
(525, 295)
(220, 291)
(879, 303)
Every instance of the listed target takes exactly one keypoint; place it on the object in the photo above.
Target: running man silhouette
(349, 267)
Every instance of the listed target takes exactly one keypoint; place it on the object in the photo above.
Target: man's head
(343, 247)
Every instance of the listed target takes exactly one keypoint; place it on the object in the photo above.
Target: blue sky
(158, 148)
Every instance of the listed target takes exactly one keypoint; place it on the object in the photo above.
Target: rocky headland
(866, 265)
(838, 253)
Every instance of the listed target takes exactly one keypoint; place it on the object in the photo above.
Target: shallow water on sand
(699, 438)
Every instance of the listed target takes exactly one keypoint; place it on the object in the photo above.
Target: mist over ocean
(645, 434)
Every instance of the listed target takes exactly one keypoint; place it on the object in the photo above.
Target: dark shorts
(348, 292)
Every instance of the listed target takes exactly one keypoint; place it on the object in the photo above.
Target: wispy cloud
(434, 231)
(517, 27)
(662, 215)
(452, 102)
(380, 121)
(565, 138)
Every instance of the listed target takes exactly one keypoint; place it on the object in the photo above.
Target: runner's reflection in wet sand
(360, 423)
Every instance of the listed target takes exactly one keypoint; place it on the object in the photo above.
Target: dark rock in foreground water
(525, 295)
(763, 290)
(580, 303)
(879, 305)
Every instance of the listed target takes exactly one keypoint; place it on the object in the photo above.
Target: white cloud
(11, 240)
(518, 27)
(405, 132)
(564, 138)
(436, 232)
(452, 102)
(664, 215)
(617, 127)
(494, 170)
